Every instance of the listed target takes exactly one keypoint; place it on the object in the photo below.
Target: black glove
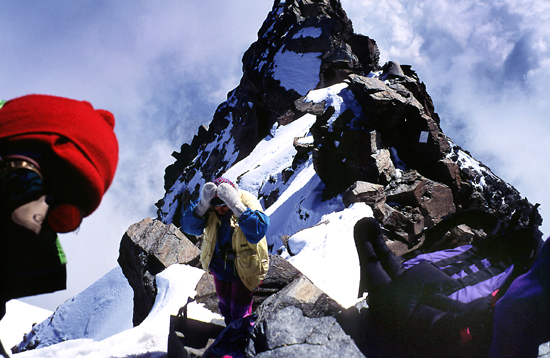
(478, 316)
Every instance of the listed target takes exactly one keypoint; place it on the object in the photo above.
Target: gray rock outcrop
(289, 333)
(299, 320)
(146, 249)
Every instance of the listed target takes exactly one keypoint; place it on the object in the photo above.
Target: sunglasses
(21, 182)
(217, 202)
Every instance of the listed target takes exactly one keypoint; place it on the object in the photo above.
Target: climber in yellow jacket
(234, 249)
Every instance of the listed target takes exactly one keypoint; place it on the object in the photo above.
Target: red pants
(235, 300)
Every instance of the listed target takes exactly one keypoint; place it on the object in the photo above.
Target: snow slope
(149, 339)
(326, 253)
(19, 318)
(102, 310)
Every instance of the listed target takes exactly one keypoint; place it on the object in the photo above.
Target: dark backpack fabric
(415, 320)
(233, 340)
(522, 316)
(470, 274)
(428, 308)
(30, 264)
(487, 264)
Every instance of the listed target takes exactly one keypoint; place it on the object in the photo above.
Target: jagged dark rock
(146, 249)
(434, 200)
(391, 117)
(398, 129)
(406, 205)
(364, 192)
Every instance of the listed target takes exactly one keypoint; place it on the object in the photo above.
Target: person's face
(221, 209)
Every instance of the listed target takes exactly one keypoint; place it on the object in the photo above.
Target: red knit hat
(79, 135)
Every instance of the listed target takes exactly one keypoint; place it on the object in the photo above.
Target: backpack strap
(183, 310)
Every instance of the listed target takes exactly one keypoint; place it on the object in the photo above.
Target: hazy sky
(162, 68)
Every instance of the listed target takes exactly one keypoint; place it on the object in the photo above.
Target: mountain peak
(310, 79)
(302, 45)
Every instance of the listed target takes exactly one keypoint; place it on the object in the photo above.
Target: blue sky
(163, 68)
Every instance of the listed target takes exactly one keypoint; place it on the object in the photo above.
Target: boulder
(343, 155)
(299, 320)
(303, 294)
(365, 192)
(405, 206)
(206, 293)
(289, 333)
(434, 199)
(147, 248)
(279, 275)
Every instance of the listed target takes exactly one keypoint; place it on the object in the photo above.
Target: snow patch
(326, 253)
(305, 140)
(297, 71)
(337, 96)
(301, 205)
(308, 32)
(18, 321)
(270, 156)
(102, 310)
